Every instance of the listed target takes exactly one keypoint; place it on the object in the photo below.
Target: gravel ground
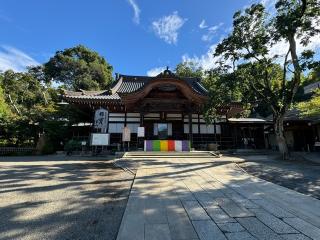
(49, 198)
(301, 176)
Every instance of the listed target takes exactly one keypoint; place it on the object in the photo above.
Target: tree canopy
(310, 107)
(4, 108)
(29, 107)
(29, 102)
(224, 88)
(273, 78)
(188, 69)
(26, 95)
(79, 68)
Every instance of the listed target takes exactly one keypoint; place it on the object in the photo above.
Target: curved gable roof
(131, 84)
(126, 84)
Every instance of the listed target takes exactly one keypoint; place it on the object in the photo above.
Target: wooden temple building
(168, 107)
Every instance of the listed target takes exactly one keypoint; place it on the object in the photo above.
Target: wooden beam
(198, 123)
(190, 129)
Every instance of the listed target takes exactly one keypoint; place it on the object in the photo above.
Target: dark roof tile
(130, 84)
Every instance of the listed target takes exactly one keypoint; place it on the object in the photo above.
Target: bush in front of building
(72, 145)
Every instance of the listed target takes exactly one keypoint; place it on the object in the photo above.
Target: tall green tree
(5, 112)
(310, 107)
(188, 69)
(30, 103)
(79, 68)
(313, 76)
(251, 40)
(26, 95)
(225, 87)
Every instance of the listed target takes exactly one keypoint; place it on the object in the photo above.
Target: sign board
(101, 117)
(140, 131)
(317, 144)
(126, 134)
(100, 139)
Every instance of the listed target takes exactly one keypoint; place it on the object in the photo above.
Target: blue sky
(135, 36)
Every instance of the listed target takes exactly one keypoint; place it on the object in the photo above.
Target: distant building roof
(311, 87)
(247, 120)
(294, 115)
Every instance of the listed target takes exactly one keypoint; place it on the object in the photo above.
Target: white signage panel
(126, 134)
(140, 131)
(101, 119)
(100, 139)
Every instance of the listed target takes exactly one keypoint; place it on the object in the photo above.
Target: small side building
(302, 133)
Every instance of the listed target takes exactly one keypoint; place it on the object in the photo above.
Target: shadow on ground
(62, 200)
(301, 176)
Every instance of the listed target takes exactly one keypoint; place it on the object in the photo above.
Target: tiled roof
(199, 88)
(129, 87)
(247, 120)
(91, 95)
(130, 84)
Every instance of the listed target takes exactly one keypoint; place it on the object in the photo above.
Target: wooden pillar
(315, 132)
(141, 119)
(140, 139)
(182, 120)
(305, 144)
(236, 136)
(199, 135)
(198, 123)
(215, 130)
(92, 120)
(107, 129)
(190, 129)
(125, 118)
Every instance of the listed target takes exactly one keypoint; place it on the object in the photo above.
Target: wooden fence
(13, 150)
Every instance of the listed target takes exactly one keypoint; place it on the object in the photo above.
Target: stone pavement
(211, 198)
(61, 198)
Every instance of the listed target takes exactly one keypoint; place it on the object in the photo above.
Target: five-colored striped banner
(167, 145)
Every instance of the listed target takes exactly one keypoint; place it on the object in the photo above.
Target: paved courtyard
(212, 198)
(52, 198)
(301, 176)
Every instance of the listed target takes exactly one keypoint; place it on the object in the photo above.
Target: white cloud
(269, 5)
(203, 24)
(136, 10)
(167, 27)
(15, 59)
(155, 71)
(211, 33)
(206, 61)
(281, 48)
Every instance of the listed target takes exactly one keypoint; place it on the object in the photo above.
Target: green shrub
(73, 145)
(48, 148)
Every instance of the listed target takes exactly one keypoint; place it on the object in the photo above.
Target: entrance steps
(192, 154)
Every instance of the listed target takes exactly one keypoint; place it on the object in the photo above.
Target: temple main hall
(164, 108)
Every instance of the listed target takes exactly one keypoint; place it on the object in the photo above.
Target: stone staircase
(191, 154)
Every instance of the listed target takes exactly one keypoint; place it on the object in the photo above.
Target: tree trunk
(281, 141)
(297, 69)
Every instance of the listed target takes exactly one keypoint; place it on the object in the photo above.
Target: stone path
(204, 198)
